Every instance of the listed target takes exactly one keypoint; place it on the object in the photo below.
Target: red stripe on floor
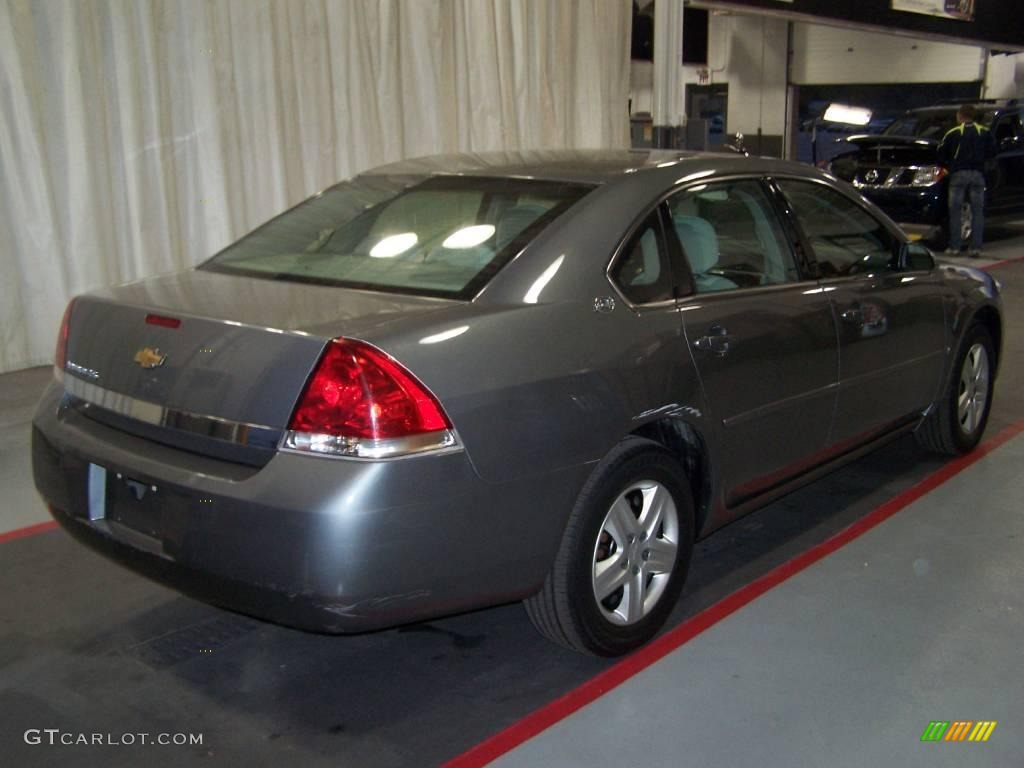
(1002, 263)
(20, 533)
(559, 709)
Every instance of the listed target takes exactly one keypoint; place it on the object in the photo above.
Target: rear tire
(624, 555)
(958, 422)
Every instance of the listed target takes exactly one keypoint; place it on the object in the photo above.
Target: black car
(898, 170)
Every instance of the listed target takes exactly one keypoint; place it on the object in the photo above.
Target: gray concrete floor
(846, 663)
(19, 503)
(88, 647)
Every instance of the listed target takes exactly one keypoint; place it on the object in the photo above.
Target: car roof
(593, 166)
(981, 106)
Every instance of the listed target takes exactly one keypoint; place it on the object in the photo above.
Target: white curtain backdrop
(140, 136)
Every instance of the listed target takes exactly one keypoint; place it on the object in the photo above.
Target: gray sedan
(467, 380)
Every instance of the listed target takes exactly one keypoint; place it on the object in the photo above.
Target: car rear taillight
(60, 356)
(362, 403)
(163, 321)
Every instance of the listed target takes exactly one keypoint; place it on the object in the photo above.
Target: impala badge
(150, 357)
(872, 176)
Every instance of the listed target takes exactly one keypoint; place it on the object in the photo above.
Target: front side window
(845, 238)
(1008, 131)
(441, 236)
(731, 237)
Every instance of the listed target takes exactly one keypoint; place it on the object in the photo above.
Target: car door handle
(718, 341)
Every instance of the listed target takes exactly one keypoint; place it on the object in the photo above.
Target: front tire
(959, 421)
(624, 555)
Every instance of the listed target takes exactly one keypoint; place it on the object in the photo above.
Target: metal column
(668, 61)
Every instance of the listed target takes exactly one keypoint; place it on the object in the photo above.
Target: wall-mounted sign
(947, 9)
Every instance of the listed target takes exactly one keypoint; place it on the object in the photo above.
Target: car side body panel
(892, 350)
(782, 337)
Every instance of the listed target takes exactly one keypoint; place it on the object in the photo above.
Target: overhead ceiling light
(468, 237)
(841, 113)
(393, 245)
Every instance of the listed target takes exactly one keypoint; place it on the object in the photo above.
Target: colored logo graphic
(149, 357)
(958, 730)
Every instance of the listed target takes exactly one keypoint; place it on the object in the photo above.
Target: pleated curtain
(140, 136)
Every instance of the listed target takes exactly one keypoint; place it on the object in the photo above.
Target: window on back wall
(695, 35)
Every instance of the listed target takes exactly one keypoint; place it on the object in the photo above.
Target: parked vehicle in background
(462, 381)
(831, 138)
(899, 171)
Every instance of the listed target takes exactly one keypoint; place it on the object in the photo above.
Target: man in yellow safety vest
(964, 152)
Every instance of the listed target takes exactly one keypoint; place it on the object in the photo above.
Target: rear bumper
(321, 544)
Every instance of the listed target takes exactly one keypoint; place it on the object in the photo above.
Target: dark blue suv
(898, 169)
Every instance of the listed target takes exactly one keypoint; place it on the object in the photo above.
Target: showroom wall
(140, 137)
(749, 53)
(1005, 77)
(835, 56)
(737, 47)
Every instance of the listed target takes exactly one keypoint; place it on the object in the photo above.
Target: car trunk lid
(212, 363)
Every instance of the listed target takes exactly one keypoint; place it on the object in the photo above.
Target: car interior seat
(513, 221)
(772, 266)
(700, 243)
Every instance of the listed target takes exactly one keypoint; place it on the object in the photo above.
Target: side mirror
(916, 257)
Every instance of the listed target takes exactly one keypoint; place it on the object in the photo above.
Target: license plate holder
(134, 504)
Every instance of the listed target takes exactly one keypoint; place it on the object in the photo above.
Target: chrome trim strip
(213, 427)
(333, 447)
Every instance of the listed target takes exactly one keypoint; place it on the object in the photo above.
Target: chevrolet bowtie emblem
(150, 357)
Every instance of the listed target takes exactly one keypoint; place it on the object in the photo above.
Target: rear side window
(642, 272)
(845, 238)
(441, 236)
(731, 237)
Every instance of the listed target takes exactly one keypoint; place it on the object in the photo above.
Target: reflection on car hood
(873, 142)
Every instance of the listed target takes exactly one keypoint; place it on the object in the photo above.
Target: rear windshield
(929, 125)
(440, 236)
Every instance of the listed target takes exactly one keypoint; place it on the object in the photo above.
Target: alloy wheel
(635, 552)
(972, 394)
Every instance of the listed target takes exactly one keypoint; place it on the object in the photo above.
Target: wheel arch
(988, 317)
(688, 446)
